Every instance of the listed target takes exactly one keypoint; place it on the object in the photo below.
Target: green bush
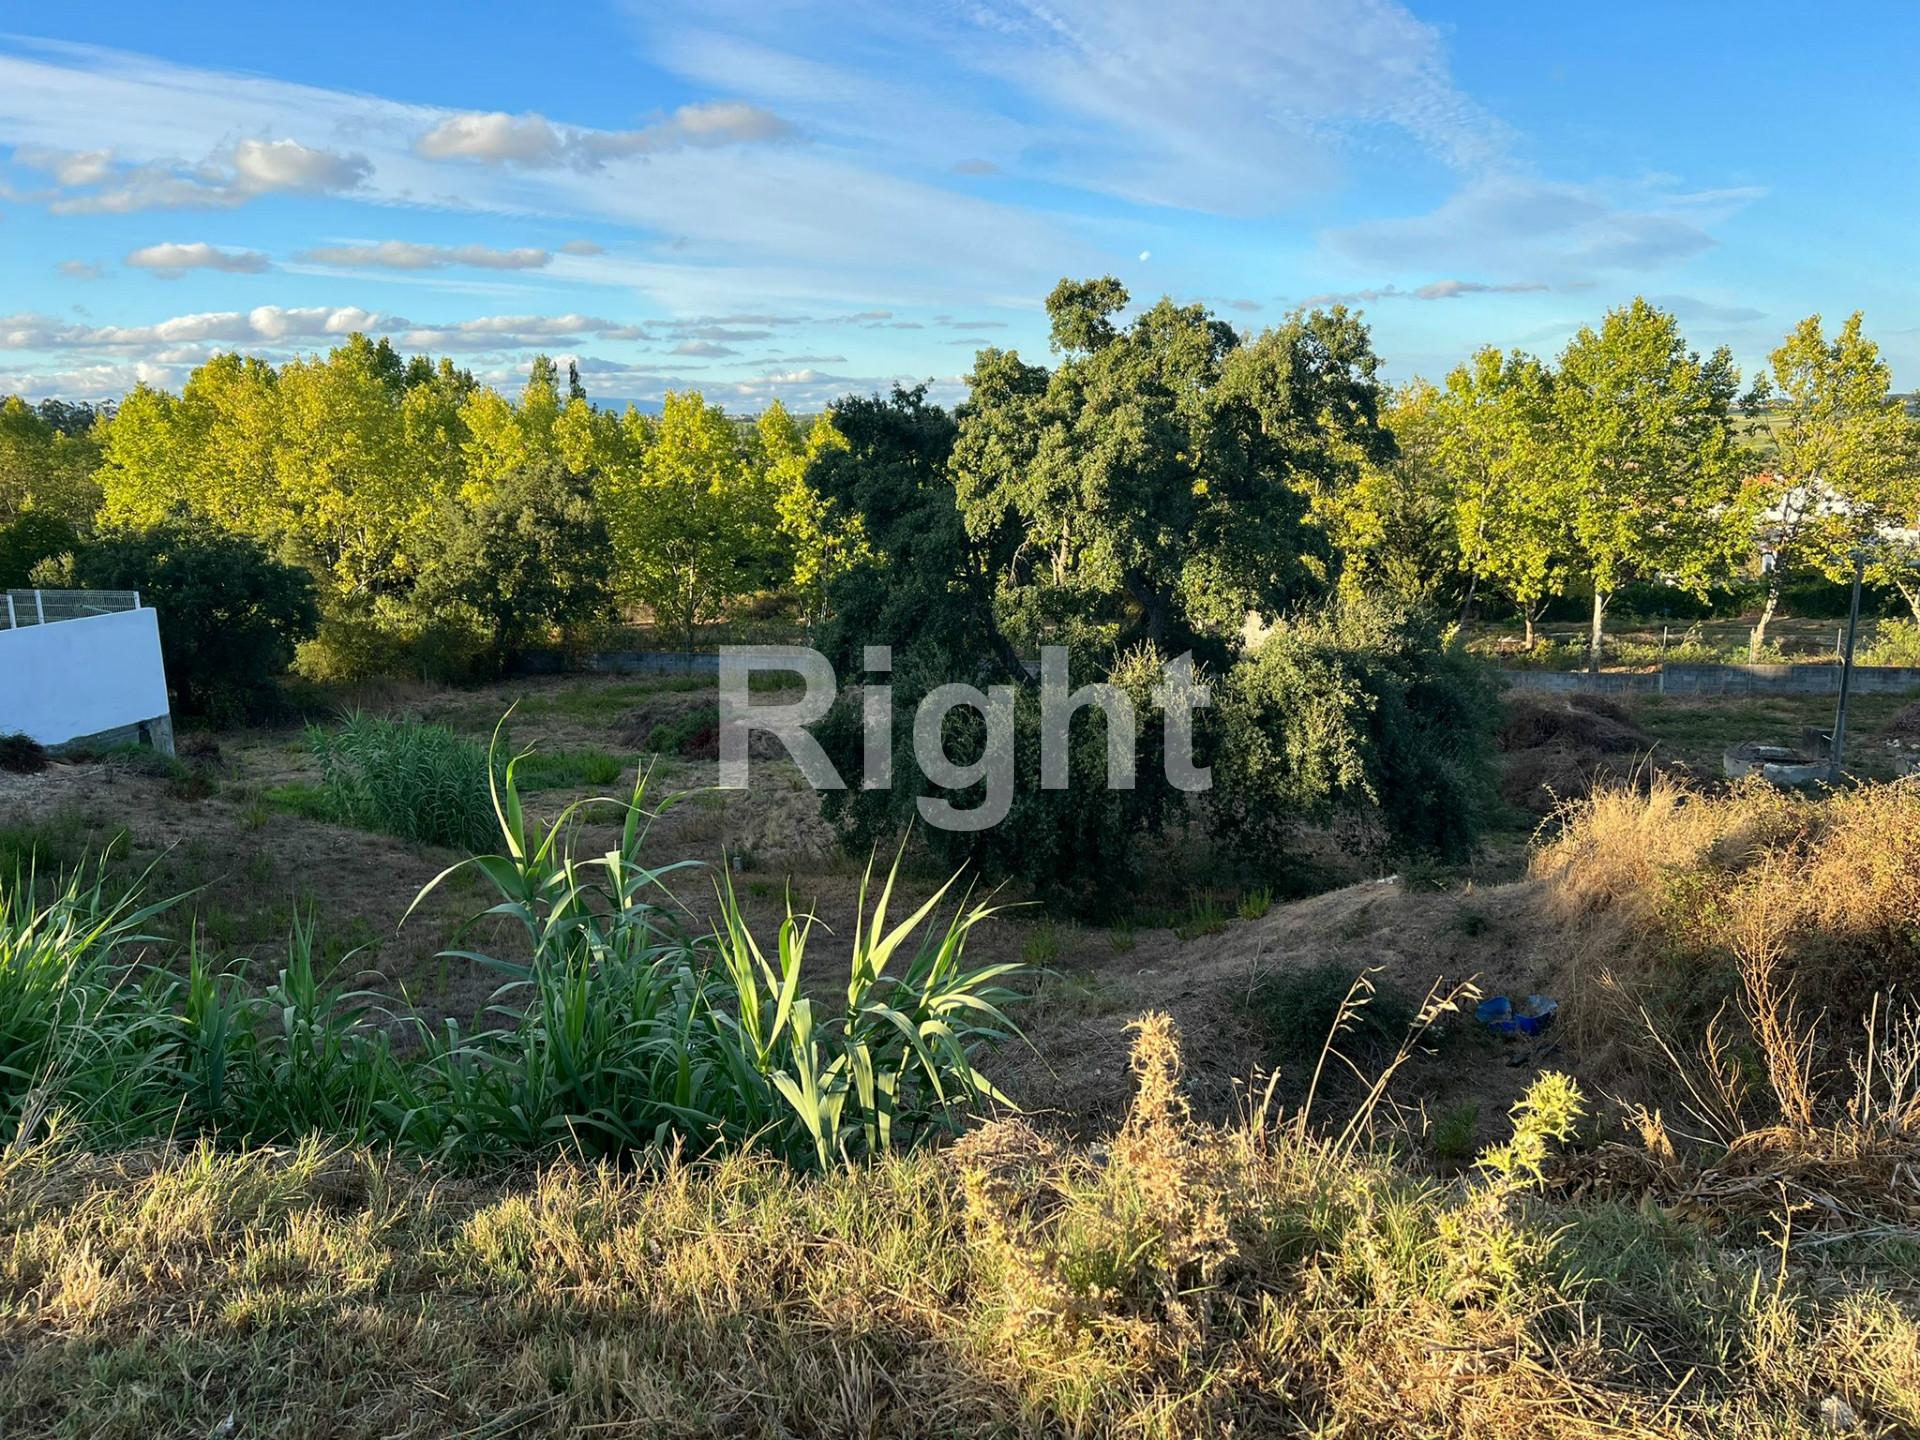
(1301, 1010)
(369, 640)
(1359, 708)
(230, 615)
(31, 537)
(1895, 642)
(1453, 1133)
(22, 754)
(1077, 847)
(420, 782)
(689, 735)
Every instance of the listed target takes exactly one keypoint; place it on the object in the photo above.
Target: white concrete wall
(79, 677)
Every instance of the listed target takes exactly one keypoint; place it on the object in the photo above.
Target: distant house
(83, 665)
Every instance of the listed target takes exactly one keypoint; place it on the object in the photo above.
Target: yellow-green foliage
(1183, 1280)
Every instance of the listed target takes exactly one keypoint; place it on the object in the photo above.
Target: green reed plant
(418, 781)
(619, 1026)
(76, 1023)
(898, 1058)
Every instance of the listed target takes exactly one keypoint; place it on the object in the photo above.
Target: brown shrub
(1794, 909)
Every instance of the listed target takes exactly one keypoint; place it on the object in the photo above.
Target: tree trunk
(1526, 617)
(1466, 607)
(1598, 635)
(1910, 594)
(1759, 637)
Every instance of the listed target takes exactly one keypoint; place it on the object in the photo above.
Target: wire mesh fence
(47, 607)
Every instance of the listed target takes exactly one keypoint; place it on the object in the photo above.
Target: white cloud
(1434, 290)
(582, 247)
(718, 226)
(264, 165)
(1560, 230)
(270, 322)
(79, 270)
(406, 255)
(496, 138)
(171, 259)
(534, 142)
(92, 182)
(706, 348)
(88, 382)
(69, 167)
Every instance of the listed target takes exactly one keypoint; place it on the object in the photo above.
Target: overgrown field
(627, 1173)
(1263, 1278)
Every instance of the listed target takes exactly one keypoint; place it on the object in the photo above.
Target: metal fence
(47, 607)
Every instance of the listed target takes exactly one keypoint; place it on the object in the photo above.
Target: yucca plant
(899, 1057)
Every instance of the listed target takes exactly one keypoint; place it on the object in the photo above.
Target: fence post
(39, 608)
(13, 622)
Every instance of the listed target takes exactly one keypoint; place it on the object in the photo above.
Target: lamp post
(1836, 753)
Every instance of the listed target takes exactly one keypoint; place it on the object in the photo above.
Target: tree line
(1630, 459)
(435, 515)
(1167, 485)
(439, 523)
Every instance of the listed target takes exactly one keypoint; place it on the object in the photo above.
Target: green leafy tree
(1156, 484)
(1645, 448)
(29, 538)
(925, 583)
(1162, 483)
(1355, 708)
(1394, 526)
(148, 461)
(350, 501)
(527, 556)
(44, 466)
(692, 526)
(230, 615)
(822, 542)
(1495, 457)
(1842, 463)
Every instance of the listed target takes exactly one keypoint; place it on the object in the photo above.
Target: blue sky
(761, 199)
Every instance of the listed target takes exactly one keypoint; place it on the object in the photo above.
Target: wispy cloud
(1434, 290)
(92, 182)
(406, 255)
(1562, 230)
(1233, 109)
(497, 138)
(172, 259)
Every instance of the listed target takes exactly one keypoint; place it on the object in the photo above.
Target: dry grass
(1183, 1280)
(1758, 949)
(1677, 902)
